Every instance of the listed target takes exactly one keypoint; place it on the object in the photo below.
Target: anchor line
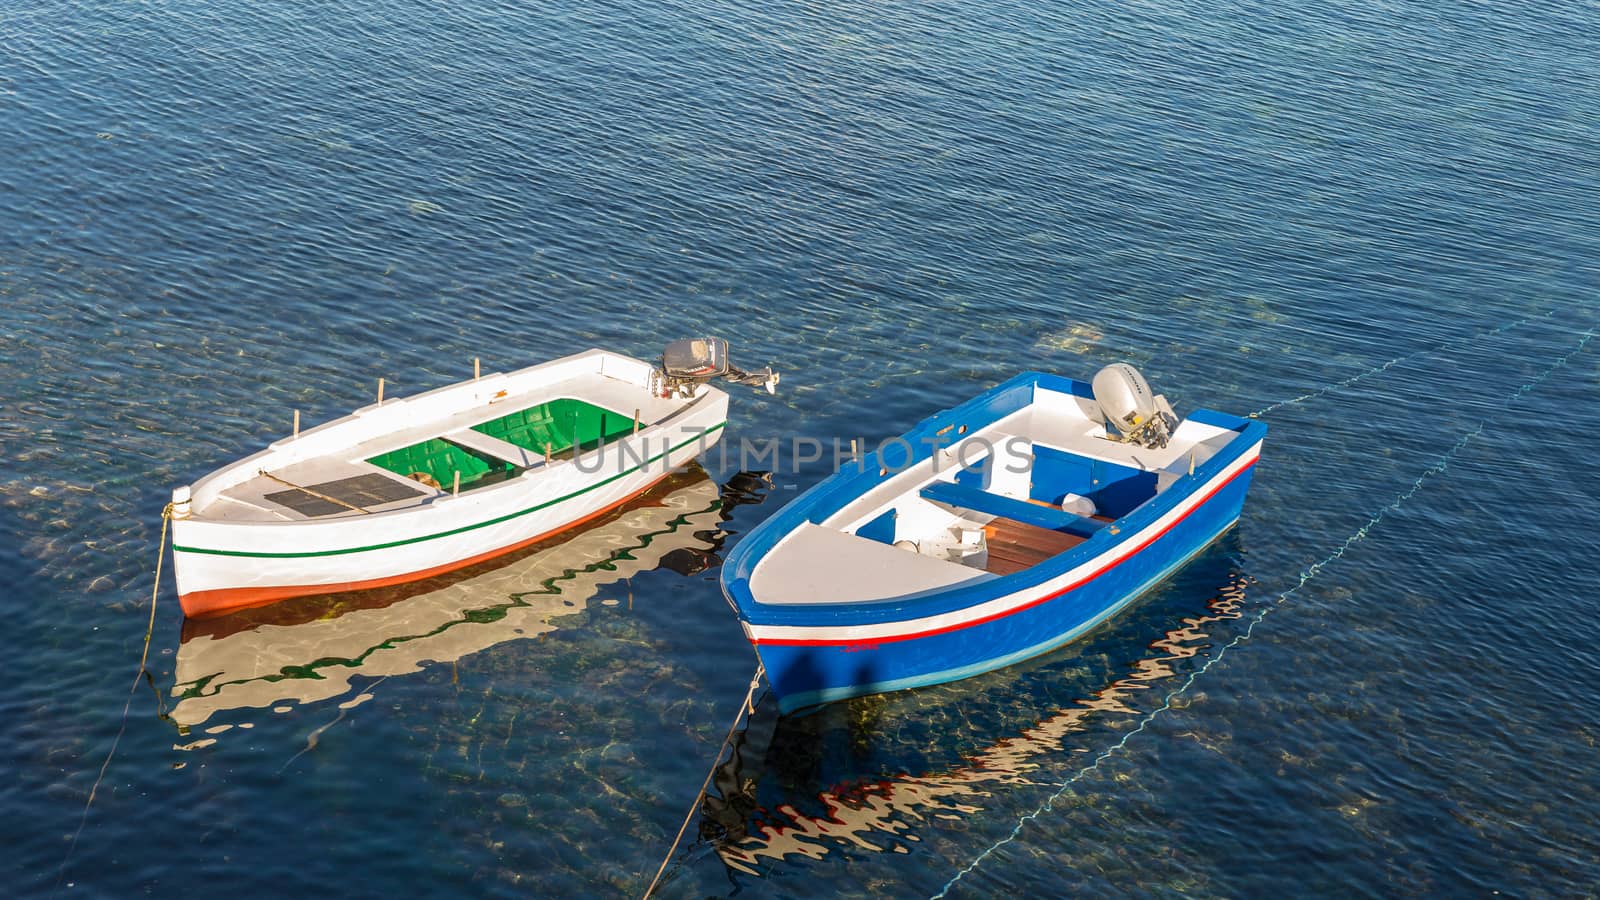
(1437, 468)
(1379, 369)
(747, 706)
(143, 675)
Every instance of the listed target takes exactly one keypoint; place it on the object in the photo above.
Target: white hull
(314, 660)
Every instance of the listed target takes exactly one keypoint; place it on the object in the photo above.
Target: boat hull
(256, 580)
(808, 671)
(310, 652)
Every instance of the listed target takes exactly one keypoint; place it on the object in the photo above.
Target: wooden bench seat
(1014, 546)
(501, 450)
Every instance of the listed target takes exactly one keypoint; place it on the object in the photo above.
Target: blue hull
(803, 676)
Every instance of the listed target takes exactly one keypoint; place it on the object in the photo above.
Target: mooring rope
(1306, 576)
(747, 706)
(144, 657)
(1360, 376)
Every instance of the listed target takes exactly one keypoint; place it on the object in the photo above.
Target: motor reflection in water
(770, 804)
(309, 651)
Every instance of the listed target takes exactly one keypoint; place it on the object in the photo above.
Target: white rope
(1311, 572)
(1328, 389)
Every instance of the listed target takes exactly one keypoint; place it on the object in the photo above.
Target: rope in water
(1438, 467)
(1327, 389)
(144, 657)
(748, 706)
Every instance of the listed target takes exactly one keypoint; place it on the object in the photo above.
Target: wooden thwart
(1014, 546)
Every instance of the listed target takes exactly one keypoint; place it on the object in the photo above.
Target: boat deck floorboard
(1014, 546)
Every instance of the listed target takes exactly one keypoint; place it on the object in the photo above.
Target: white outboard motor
(1133, 413)
(689, 363)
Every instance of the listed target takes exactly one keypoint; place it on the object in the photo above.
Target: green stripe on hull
(454, 531)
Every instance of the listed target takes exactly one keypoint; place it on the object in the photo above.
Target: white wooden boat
(413, 487)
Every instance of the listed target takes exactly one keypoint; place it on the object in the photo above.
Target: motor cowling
(695, 358)
(689, 363)
(1133, 413)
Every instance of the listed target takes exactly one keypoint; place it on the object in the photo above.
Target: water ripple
(1369, 223)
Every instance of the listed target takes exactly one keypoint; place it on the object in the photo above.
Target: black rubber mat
(365, 491)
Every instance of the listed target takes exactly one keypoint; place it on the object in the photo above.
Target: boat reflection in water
(309, 651)
(750, 827)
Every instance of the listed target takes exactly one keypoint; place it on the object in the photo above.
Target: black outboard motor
(689, 363)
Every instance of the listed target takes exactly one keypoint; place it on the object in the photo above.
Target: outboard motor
(689, 363)
(1137, 415)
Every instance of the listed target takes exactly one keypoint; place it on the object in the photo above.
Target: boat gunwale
(252, 464)
(489, 506)
(340, 523)
(441, 496)
(840, 488)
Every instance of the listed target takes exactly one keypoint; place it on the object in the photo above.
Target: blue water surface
(1378, 224)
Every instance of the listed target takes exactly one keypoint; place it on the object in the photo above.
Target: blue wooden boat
(987, 534)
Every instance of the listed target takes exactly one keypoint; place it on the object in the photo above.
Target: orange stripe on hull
(202, 604)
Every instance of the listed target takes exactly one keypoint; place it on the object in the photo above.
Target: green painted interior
(562, 424)
(442, 460)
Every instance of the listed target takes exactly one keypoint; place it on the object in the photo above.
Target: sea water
(1377, 224)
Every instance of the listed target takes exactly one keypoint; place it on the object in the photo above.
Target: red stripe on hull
(202, 604)
(869, 642)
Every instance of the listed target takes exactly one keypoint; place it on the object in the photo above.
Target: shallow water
(215, 215)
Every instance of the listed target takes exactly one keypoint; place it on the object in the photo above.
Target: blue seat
(982, 501)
